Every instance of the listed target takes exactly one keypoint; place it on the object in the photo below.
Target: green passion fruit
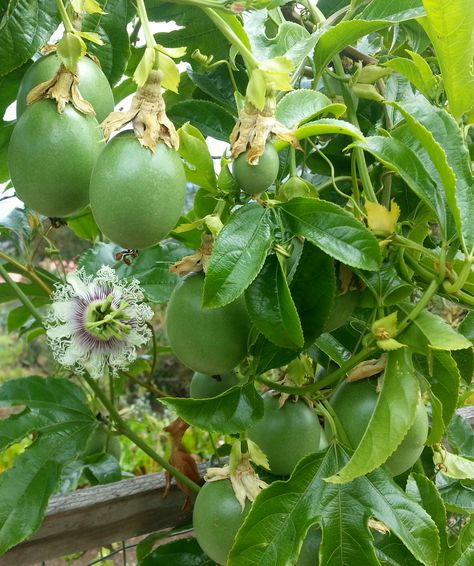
(354, 404)
(217, 517)
(51, 156)
(286, 434)
(204, 386)
(255, 179)
(101, 441)
(93, 84)
(211, 341)
(137, 195)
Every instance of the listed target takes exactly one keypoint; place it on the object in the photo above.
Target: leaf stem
(123, 428)
(28, 271)
(422, 303)
(250, 61)
(64, 17)
(21, 295)
(143, 16)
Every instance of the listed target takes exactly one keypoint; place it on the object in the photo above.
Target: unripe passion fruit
(354, 404)
(204, 386)
(286, 434)
(217, 517)
(93, 84)
(101, 441)
(254, 179)
(137, 195)
(212, 341)
(51, 157)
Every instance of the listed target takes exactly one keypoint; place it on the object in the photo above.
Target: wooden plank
(94, 516)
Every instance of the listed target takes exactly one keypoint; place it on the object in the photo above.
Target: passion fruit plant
(318, 279)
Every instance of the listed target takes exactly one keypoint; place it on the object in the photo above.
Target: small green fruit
(211, 341)
(286, 434)
(93, 84)
(137, 195)
(204, 386)
(217, 517)
(255, 179)
(51, 156)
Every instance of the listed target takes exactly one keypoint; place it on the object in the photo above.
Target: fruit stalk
(149, 38)
(123, 428)
(64, 17)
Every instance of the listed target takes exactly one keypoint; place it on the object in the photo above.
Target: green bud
(372, 73)
(297, 187)
(368, 92)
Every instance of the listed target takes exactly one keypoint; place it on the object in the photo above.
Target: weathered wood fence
(93, 517)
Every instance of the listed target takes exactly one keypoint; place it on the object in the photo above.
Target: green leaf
(458, 496)
(151, 267)
(417, 71)
(392, 418)
(423, 490)
(183, 552)
(444, 379)
(388, 288)
(112, 29)
(198, 162)
(276, 526)
(24, 29)
(444, 142)
(271, 307)
(57, 411)
(461, 436)
(449, 26)
(210, 118)
(104, 469)
(462, 553)
(84, 225)
(313, 289)
(452, 465)
(303, 105)
(238, 254)
(436, 331)
(323, 127)
(231, 412)
(398, 157)
(333, 230)
(17, 318)
(266, 355)
(333, 349)
(378, 15)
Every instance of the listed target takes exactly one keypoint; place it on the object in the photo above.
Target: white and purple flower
(96, 323)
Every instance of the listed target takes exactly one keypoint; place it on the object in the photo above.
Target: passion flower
(96, 323)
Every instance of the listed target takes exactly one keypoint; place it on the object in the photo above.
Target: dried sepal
(254, 127)
(63, 88)
(198, 261)
(148, 116)
(367, 368)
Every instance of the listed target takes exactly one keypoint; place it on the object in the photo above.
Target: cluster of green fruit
(285, 434)
(59, 164)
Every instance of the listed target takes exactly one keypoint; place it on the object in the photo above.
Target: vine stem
(249, 59)
(29, 272)
(422, 303)
(452, 288)
(143, 16)
(64, 17)
(124, 429)
(21, 295)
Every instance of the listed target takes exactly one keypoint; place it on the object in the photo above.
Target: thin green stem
(250, 61)
(149, 38)
(359, 153)
(420, 306)
(123, 428)
(330, 183)
(64, 17)
(325, 381)
(21, 295)
(410, 244)
(155, 351)
(28, 271)
(293, 171)
(146, 385)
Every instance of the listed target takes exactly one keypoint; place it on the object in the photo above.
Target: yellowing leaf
(170, 72)
(145, 66)
(257, 455)
(91, 36)
(452, 465)
(256, 89)
(92, 7)
(70, 49)
(380, 219)
(174, 52)
(277, 65)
